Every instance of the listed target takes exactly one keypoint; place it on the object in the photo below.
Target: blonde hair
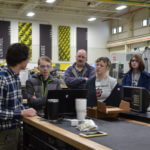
(44, 58)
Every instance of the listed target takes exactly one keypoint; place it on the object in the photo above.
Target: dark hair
(17, 53)
(105, 60)
(44, 58)
(140, 61)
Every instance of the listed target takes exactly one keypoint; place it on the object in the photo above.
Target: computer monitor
(138, 98)
(67, 99)
(113, 99)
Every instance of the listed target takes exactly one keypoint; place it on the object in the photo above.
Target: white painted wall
(35, 42)
(97, 40)
(98, 34)
(13, 31)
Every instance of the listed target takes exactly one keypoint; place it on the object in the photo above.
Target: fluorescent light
(121, 7)
(30, 14)
(92, 19)
(50, 1)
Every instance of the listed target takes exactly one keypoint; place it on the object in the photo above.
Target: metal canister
(53, 109)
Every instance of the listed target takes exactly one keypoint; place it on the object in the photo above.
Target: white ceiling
(17, 9)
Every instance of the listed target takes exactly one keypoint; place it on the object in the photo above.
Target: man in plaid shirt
(11, 108)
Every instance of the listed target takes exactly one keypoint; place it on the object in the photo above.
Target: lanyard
(44, 87)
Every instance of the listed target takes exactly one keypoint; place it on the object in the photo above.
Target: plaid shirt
(10, 99)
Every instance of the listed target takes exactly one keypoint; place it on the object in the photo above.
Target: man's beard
(81, 64)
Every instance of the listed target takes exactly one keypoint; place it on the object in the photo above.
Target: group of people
(78, 76)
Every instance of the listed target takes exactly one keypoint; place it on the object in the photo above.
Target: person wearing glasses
(39, 84)
(136, 76)
(77, 74)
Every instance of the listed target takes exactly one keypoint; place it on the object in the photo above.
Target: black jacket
(35, 88)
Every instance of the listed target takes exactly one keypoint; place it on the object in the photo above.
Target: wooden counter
(64, 135)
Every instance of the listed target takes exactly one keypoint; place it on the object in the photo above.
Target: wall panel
(64, 43)
(25, 34)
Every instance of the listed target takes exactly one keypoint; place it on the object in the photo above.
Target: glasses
(79, 56)
(134, 60)
(45, 66)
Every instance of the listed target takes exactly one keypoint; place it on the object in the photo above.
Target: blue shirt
(75, 79)
(10, 99)
(144, 80)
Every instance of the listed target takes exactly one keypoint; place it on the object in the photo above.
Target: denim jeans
(9, 139)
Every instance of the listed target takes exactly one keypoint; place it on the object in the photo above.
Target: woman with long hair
(136, 76)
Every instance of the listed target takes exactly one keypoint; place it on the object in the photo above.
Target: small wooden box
(92, 112)
(103, 111)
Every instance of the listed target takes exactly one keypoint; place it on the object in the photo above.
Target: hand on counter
(28, 112)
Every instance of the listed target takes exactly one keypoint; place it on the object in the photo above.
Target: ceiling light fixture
(121, 7)
(50, 1)
(92, 19)
(30, 14)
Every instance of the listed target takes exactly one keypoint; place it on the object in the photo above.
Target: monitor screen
(113, 99)
(67, 99)
(138, 98)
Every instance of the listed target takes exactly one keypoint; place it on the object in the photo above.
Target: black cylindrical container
(53, 109)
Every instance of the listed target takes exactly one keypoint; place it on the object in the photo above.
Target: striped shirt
(10, 99)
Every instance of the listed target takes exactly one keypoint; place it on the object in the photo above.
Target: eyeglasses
(45, 66)
(79, 56)
(134, 60)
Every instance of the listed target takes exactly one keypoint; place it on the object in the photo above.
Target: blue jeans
(9, 139)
